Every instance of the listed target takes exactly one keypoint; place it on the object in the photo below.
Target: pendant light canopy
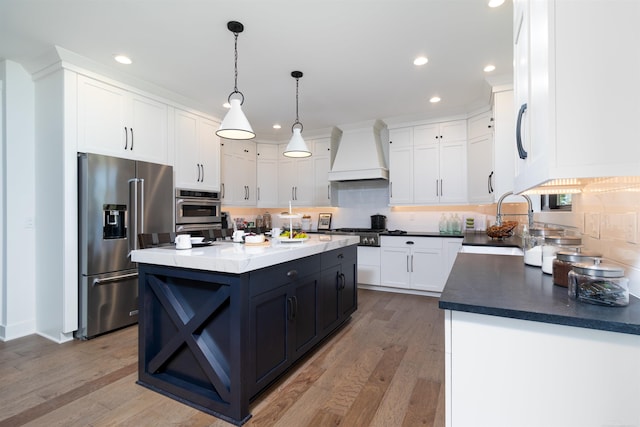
(235, 124)
(297, 147)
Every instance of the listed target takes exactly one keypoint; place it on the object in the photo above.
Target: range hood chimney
(360, 154)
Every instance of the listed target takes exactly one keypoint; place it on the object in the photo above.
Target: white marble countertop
(236, 258)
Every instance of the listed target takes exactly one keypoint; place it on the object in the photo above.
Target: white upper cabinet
(579, 114)
(503, 143)
(321, 167)
(427, 164)
(267, 175)
(480, 158)
(296, 179)
(117, 122)
(238, 186)
(197, 152)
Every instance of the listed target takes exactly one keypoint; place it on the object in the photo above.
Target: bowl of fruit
(293, 236)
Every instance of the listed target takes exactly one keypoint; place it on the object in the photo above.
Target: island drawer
(270, 278)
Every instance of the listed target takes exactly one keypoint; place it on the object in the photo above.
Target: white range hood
(360, 154)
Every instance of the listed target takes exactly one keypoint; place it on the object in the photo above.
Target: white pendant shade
(235, 124)
(297, 147)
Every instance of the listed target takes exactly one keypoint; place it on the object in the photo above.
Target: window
(560, 202)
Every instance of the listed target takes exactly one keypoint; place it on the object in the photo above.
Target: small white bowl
(258, 238)
(197, 240)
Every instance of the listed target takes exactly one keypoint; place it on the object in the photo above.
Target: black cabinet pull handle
(289, 308)
(131, 130)
(292, 273)
(126, 138)
(521, 151)
(202, 168)
(410, 242)
(489, 183)
(343, 281)
(340, 255)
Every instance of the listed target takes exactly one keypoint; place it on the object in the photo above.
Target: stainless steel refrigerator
(117, 199)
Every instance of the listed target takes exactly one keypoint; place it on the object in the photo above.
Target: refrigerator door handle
(134, 214)
(119, 278)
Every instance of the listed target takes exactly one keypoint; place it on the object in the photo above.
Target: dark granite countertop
(481, 239)
(499, 285)
(421, 234)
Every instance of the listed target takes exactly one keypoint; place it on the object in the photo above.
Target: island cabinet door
(328, 291)
(337, 292)
(283, 318)
(303, 314)
(349, 288)
(269, 330)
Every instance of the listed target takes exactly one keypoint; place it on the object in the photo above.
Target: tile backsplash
(608, 222)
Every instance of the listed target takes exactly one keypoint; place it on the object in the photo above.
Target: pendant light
(297, 147)
(235, 124)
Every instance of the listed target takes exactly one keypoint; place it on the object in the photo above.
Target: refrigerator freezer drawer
(108, 302)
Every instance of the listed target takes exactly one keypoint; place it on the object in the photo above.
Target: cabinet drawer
(418, 242)
(270, 278)
(337, 256)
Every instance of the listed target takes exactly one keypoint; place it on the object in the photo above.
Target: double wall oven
(197, 210)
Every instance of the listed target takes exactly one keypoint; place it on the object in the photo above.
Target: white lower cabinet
(369, 265)
(503, 372)
(419, 263)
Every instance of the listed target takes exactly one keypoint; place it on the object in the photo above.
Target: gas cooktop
(359, 230)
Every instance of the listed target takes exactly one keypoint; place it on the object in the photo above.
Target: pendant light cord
(235, 64)
(236, 28)
(297, 75)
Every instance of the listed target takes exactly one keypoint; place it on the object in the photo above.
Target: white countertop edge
(237, 258)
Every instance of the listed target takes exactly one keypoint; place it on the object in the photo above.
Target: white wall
(18, 203)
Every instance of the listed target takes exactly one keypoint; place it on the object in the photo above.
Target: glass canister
(306, 223)
(553, 244)
(564, 262)
(266, 218)
(533, 242)
(599, 283)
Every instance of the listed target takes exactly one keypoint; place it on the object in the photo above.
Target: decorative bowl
(502, 231)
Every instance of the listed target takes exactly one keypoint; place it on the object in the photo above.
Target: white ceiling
(356, 55)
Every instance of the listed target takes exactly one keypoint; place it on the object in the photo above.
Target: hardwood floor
(385, 368)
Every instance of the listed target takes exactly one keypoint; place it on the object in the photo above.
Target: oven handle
(203, 202)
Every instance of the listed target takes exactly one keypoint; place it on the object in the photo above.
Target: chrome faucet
(529, 208)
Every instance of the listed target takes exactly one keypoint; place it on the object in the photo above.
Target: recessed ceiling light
(489, 68)
(226, 105)
(420, 60)
(123, 59)
(434, 99)
(277, 126)
(495, 3)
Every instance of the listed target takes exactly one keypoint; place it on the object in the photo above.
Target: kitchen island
(520, 352)
(218, 324)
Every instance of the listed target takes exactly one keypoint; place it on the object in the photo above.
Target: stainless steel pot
(378, 222)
